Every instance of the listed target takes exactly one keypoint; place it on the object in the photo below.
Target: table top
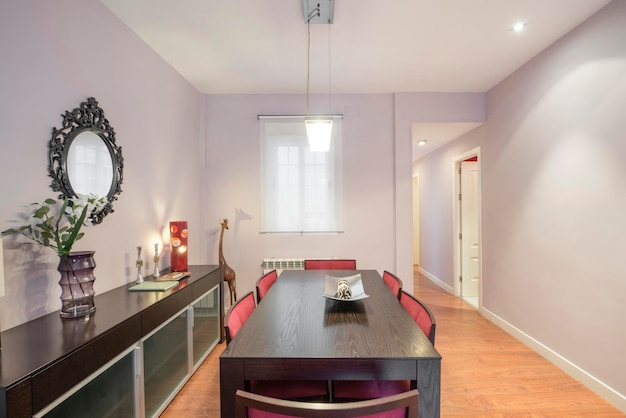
(295, 320)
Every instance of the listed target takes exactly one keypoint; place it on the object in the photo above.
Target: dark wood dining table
(295, 333)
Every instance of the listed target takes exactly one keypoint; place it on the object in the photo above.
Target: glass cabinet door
(165, 363)
(110, 392)
(206, 325)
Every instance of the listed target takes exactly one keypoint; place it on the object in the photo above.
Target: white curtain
(300, 189)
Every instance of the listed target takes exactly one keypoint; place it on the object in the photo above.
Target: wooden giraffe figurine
(229, 273)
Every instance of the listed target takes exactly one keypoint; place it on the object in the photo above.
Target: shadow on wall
(30, 275)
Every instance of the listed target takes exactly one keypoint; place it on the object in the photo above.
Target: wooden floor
(484, 372)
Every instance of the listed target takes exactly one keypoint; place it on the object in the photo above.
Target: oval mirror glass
(90, 165)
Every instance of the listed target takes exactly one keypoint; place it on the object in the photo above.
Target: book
(153, 286)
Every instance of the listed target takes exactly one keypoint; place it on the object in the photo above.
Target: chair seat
(290, 389)
(368, 389)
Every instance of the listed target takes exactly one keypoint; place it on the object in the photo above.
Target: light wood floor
(484, 372)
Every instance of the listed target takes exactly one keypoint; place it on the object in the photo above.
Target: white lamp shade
(319, 132)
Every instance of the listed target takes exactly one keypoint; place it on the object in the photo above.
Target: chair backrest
(238, 315)
(420, 313)
(394, 283)
(330, 264)
(251, 405)
(264, 283)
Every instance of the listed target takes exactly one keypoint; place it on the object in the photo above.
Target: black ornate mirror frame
(88, 117)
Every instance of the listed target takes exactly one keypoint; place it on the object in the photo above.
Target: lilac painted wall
(376, 166)
(553, 170)
(55, 55)
(233, 167)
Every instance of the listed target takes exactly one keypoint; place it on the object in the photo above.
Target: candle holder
(157, 273)
(139, 264)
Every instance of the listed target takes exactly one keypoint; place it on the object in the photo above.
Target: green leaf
(60, 249)
(44, 226)
(39, 213)
(73, 236)
(50, 201)
(10, 231)
(47, 234)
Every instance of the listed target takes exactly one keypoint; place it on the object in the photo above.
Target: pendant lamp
(318, 129)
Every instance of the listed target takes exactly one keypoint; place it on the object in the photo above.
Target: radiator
(280, 264)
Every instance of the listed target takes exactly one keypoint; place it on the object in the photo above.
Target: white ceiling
(373, 46)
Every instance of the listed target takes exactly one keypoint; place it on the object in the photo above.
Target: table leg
(429, 388)
(231, 379)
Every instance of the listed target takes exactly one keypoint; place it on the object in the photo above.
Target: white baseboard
(603, 390)
(438, 282)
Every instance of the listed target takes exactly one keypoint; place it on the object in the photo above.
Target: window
(300, 189)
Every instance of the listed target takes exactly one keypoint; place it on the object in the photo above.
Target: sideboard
(129, 358)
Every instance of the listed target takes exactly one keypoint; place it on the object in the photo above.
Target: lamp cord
(308, 59)
(313, 13)
(329, 71)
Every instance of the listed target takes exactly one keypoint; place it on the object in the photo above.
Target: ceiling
(259, 46)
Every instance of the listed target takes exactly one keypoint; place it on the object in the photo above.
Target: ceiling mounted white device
(318, 11)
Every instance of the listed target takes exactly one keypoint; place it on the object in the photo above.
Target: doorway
(467, 228)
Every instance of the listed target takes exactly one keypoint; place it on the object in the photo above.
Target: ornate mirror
(83, 157)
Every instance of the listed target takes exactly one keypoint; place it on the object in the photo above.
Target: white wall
(55, 55)
(553, 153)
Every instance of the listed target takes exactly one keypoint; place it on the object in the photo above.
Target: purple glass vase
(76, 282)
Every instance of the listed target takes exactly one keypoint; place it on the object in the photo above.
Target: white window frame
(301, 191)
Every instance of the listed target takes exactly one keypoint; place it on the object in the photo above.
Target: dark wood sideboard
(44, 358)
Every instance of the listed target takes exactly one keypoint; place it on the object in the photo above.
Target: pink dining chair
(264, 284)
(238, 315)
(393, 282)
(330, 264)
(284, 389)
(250, 405)
(370, 389)
(421, 314)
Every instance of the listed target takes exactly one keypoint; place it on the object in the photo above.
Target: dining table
(298, 332)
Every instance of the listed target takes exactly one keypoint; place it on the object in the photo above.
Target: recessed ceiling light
(518, 27)
(421, 142)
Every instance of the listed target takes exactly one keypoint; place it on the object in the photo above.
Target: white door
(469, 229)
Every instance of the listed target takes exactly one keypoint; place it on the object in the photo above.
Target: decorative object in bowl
(345, 289)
